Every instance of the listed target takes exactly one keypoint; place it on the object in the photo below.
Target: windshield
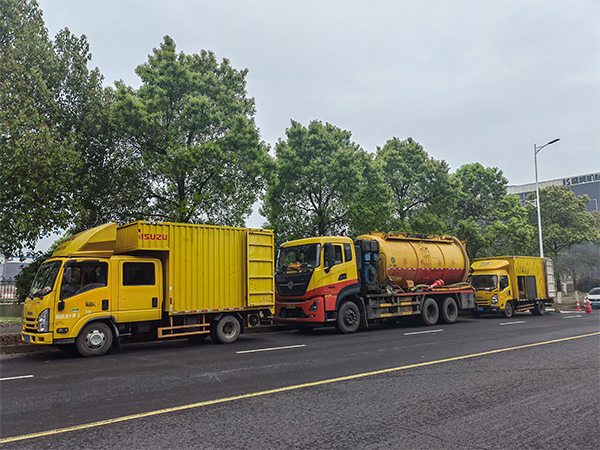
(299, 258)
(485, 282)
(45, 278)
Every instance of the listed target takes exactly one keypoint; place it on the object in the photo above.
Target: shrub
(586, 283)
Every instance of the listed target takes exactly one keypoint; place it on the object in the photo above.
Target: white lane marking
(422, 332)
(572, 317)
(512, 323)
(272, 348)
(16, 378)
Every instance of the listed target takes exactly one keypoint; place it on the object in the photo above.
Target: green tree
(190, 127)
(565, 220)
(422, 188)
(325, 184)
(36, 156)
(576, 260)
(492, 222)
(54, 131)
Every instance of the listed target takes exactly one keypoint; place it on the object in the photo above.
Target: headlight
(494, 300)
(314, 306)
(43, 320)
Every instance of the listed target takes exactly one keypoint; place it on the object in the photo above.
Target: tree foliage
(578, 259)
(491, 221)
(36, 156)
(325, 184)
(53, 135)
(422, 189)
(565, 220)
(191, 131)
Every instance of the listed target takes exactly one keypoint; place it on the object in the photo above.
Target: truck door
(504, 291)
(140, 290)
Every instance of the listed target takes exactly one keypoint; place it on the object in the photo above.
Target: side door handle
(154, 302)
(343, 277)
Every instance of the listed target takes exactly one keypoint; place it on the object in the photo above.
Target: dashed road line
(271, 349)
(512, 323)
(422, 332)
(16, 378)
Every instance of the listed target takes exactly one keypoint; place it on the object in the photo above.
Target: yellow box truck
(507, 284)
(151, 280)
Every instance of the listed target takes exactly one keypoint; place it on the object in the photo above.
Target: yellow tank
(411, 260)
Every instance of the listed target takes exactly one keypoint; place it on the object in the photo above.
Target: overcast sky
(470, 80)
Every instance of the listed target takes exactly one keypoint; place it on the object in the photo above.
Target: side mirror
(61, 305)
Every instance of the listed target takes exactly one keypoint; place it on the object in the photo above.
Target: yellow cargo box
(207, 268)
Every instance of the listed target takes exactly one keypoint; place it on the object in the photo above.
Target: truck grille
(293, 285)
(30, 324)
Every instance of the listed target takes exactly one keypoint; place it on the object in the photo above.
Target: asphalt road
(525, 382)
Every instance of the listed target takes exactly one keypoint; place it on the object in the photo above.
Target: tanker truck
(349, 283)
(150, 280)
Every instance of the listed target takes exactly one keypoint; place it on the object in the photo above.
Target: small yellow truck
(151, 280)
(507, 284)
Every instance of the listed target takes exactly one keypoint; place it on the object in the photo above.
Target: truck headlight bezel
(44, 321)
(495, 300)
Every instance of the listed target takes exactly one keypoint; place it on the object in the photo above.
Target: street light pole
(536, 150)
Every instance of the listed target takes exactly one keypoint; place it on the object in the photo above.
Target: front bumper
(37, 338)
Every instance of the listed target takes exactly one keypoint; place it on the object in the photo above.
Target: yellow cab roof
(489, 264)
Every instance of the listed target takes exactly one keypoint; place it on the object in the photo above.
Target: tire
(509, 310)
(348, 318)
(539, 309)
(449, 310)
(94, 340)
(430, 312)
(226, 330)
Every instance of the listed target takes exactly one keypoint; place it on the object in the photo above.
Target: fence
(8, 291)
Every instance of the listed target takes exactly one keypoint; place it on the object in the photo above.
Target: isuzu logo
(290, 285)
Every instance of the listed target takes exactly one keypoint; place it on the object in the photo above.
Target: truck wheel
(539, 309)
(449, 311)
(348, 318)
(509, 310)
(430, 312)
(94, 340)
(226, 330)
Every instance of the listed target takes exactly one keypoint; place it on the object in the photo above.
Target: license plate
(291, 306)
(27, 337)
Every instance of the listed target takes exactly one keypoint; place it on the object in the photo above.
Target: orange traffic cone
(588, 307)
(578, 307)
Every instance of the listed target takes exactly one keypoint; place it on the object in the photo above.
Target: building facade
(580, 185)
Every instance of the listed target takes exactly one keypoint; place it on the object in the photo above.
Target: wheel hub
(95, 339)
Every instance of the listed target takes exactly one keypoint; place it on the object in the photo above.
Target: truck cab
(70, 294)
(312, 276)
(492, 285)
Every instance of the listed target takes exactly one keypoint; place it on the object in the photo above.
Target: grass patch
(7, 321)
